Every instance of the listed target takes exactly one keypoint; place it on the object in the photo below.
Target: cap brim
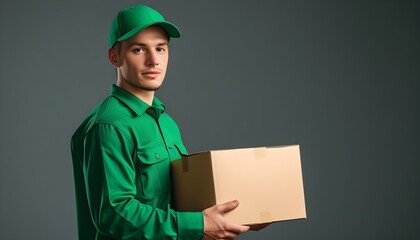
(171, 29)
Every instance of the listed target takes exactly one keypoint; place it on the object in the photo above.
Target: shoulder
(110, 112)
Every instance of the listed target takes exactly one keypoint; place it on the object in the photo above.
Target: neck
(144, 95)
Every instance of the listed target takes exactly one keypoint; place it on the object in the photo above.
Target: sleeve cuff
(190, 225)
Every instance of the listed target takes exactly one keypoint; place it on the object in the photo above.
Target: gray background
(340, 78)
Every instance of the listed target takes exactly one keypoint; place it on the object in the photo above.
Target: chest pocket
(154, 171)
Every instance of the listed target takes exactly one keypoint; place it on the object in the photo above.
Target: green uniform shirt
(121, 156)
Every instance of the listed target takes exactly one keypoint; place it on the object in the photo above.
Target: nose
(152, 59)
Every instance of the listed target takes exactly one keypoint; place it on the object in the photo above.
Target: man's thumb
(228, 206)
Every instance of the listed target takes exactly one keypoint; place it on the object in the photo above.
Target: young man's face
(143, 60)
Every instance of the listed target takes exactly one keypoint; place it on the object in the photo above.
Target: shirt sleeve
(110, 179)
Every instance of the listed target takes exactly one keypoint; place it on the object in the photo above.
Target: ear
(114, 58)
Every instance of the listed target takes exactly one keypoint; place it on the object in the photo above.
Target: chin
(150, 87)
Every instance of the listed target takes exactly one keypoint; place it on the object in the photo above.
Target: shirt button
(157, 156)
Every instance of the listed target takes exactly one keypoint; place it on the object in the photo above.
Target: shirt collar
(133, 102)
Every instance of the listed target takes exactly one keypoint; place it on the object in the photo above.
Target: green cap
(132, 20)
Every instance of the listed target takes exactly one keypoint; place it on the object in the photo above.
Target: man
(122, 151)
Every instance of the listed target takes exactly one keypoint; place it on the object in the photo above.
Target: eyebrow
(145, 45)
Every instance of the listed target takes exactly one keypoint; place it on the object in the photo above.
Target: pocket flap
(182, 149)
(153, 155)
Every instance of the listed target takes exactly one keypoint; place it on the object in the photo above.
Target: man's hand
(215, 225)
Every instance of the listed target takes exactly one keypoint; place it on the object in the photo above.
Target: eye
(160, 49)
(138, 50)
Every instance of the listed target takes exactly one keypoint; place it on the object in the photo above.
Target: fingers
(228, 235)
(215, 225)
(244, 229)
(223, 234)
(235, 228)
(230, 227)
(227, 206)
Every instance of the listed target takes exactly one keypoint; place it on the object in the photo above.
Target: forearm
(135, 220)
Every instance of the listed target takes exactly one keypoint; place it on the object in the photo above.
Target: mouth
(151, 74)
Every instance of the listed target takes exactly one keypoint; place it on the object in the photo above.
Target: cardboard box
(267, 182)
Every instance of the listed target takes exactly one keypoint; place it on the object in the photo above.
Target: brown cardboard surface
(267, 181)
